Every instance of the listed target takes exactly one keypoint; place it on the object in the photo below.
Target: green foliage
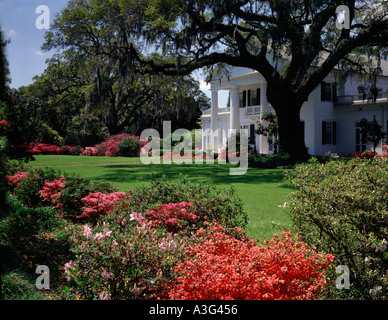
(18, 286)
(129, 147)
(23, 222)
(270, 161)
(342, 208)
(85, 130)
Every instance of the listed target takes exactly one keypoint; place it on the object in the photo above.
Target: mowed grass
(262, 190)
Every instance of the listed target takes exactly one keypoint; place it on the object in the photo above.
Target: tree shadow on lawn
(217, 174)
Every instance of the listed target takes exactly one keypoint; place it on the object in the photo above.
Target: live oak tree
(243, 33)
(94, 41)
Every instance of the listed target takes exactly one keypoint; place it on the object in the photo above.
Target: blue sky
(17, 20)
(26, 59)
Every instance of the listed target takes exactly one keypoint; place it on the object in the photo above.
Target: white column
(235, 109)
(214, 120)
(264, 148)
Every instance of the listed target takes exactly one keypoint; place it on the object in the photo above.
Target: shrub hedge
(342, 208)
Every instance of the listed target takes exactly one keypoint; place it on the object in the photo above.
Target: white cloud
(38, 52)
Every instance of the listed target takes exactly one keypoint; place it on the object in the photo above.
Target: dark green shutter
(323, 86)
(244, 98)
(323, 132)
(334, 92)
(334, 131)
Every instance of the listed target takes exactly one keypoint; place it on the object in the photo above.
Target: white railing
(220, 110)
(249, 110)
(252, 110)
(360, 98)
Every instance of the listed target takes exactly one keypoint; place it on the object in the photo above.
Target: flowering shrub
(43, 148)
(109, 148)
(365, 154)
(222, 267)
(121, 259)
(52, 190)
(89, 151)
(28, 189)
(70, 150)
(97, 204)
(15, 179)
(385, 153)
(173, 217)
(209, 202)
(4, 124)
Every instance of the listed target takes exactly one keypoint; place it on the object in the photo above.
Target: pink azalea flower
(104, 296)
(87, 232)
(106, 275)
(136, 216)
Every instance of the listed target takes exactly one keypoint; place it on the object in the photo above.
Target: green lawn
(262, 190)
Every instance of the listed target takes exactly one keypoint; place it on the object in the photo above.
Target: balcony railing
(252, 110)
(220, 110)
(361, 99)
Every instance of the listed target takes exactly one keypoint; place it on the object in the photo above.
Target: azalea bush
(99, 204)
(43, 148)
(342, 208)
(365, 154)
(29, 187)
(174, 217)
(51, 191)
(14, 180)
(76, 189)
(385, 151)
(219, 266)
(209, 202)
(70, 150)
(120, 259)
(89, 151)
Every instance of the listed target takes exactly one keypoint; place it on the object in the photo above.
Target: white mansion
(330, 115)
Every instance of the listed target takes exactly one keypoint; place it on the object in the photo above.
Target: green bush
(23, 222)
(341, 208)
(17, 286)
(129, 147)
(270, 161)
(209, 202)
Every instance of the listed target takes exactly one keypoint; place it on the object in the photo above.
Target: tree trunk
(291, 132)
(291, 135)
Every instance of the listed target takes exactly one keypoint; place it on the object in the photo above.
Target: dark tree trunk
(291, 133)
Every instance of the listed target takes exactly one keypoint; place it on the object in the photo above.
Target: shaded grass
(262, 190)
